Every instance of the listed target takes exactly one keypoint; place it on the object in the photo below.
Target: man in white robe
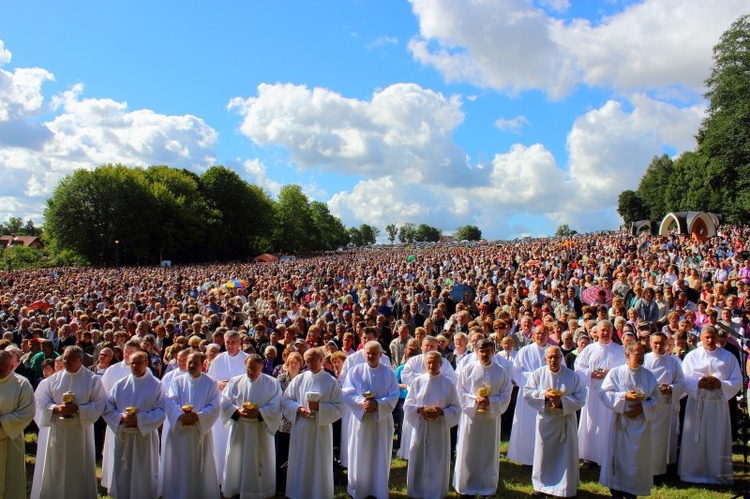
(181, 359)
(484, 390)
(371, 393)
(135, 410)
(250, 467)
(225, 366)
(712, 377)
(432, 407)
(16, 412)
(312, 402)
(112, 375)
(192, 407)
(67, 467)
(631, 392)
(529, 359)
(414, 368)
(555, 393)
(665, 422)
(592, 365)
(355, 359)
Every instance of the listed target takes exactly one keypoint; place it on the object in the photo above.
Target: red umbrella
(40, 305)
(593, 294)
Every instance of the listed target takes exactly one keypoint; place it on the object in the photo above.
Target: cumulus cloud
(403, 130)
(256, 171)
(511, 124)
(82, 133)
(514, 45)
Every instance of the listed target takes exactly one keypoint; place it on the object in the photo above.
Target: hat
(644, 324)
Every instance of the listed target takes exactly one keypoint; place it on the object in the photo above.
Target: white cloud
(258, 175)
(511, 124)
(382, 41)
(20, 90)
(514, 46)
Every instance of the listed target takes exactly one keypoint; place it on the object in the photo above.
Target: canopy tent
(266, 258)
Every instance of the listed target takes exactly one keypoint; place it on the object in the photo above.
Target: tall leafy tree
(426, 233)
(631, 208)
(468, 233)
(565, 230)
(369, 234)
(407, 233)
(392, 232)
(654, 184)
(355, 236)
(294, 230)
(331, 232)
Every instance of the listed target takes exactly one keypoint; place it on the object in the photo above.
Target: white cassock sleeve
(13, 423)
(207, 413)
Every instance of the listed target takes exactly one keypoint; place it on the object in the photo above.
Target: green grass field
(516, 480)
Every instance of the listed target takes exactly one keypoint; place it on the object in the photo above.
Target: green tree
(392, 232)
(89, 210)
(724, 135)
(654, 184)
(355, 237)
(407, 233)
(331, 232)
(564, 230)
(14, 225)
(630, 207)
(369, 234)
(468, 233)
(295, 230)
(426, 233)
(239, 218)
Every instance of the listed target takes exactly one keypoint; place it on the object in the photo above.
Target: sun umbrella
(208, 285)
(40, 305)
(411, 258)
(591, 295)
(236, 283)
(532, 263)
(459, 291)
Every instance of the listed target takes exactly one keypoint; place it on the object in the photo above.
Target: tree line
(715, 177)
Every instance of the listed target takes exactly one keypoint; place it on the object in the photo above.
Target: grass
(516, 480)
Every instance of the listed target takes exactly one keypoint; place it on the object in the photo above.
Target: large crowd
(617, 351)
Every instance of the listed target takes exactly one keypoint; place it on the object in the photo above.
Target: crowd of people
(608, 351)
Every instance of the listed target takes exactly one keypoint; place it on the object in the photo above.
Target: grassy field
(516, 480)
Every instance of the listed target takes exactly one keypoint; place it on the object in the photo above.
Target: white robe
(67, 467)
(665, 424)
(310, 470)
(41, 449)
(135, 453)
(706, 452)
(596, 420)
(354, 359)
(413, 368)
(166, 382)
(16, 412)
(555, 468)
(188, 453)
(626, 463)
(371, 440)
(112, 375)
(428, 473)
(250, 461)
(223, 368)
(521, 444)
(478, 448)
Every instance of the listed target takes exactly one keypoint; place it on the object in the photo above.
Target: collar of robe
(317, 374)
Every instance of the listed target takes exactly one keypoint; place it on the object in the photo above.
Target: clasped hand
(370, 405)
(129, 420)
(65, 409)
(709, 383)
(188, 419)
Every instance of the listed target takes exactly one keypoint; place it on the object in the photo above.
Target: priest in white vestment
(251, 408)
(352, 360)
(432, 407)
(16, 412)
(592, 366)
(529, 359)
(665, 424)
(484, 390)
(631, 392)
(312, 402)
(69, 402)
(415, 367)
(192, 406)
(712, 377)
(181, 359)
(112, 375)
(135, 410)
(371, 393)
(555, 393)
(224, 367)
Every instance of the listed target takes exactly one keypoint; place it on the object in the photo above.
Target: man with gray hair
(224, 367)
(592, 365)
(16, 412)
(69, 403)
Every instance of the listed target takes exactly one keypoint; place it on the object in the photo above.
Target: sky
(516, 116)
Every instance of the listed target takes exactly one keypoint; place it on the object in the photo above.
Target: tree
(369, 234)
(724, 135)
(630, 207)
(426, 233)
(407, 233)
(563, 231)
(332, 233)
(355, 237)
(294, 230)
(14, 225)
(468, 233)
(392, 232)
(654, 184)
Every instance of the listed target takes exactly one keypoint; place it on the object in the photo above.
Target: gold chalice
(368, 394)
(187, 408)
(555, 392)
(131, 410)
(68, 397)
(484, 392)
(639, 395)
(248, 406)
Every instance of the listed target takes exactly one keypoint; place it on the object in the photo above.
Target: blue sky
(515, 115)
